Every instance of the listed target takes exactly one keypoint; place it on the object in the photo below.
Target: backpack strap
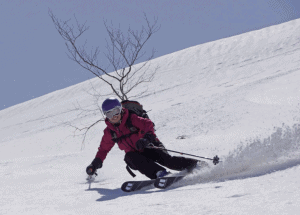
(113, 136)
(130, 171)
(129, 125)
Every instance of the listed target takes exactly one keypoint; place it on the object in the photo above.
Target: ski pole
(90, 179)
(215, 159)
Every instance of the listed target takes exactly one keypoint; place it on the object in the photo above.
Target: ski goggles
(113, 112)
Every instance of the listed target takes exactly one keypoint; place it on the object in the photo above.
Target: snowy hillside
(238, 98)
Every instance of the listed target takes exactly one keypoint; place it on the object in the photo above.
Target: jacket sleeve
(105, 146)
(145, 125)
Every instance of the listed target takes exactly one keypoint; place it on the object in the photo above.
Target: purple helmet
(110, 103)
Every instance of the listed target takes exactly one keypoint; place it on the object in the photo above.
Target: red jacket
(127, 144)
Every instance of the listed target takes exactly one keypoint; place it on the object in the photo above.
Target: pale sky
(33, 60)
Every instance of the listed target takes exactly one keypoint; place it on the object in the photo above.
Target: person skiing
(136, 143)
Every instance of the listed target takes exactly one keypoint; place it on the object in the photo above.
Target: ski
(164, 182)
(130, 186)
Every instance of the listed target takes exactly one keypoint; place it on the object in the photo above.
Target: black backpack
(135, 108)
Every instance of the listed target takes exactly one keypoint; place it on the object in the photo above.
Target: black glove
(141, 144)
(96, 164)
(90, 170)
(150, 137)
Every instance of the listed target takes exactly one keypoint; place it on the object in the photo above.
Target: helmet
(110, 103)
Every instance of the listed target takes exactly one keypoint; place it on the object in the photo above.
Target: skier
(136, 143)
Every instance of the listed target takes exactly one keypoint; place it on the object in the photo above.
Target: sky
(241, 102)
(33, 59)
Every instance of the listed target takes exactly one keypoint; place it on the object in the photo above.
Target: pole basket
(216, 160)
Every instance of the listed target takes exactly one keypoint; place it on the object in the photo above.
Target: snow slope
(238, 97)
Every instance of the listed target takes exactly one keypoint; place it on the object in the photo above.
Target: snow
(237, 98)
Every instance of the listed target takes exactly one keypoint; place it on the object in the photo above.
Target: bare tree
(123, 52)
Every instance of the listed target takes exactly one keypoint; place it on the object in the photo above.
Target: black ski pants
(147, 162)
